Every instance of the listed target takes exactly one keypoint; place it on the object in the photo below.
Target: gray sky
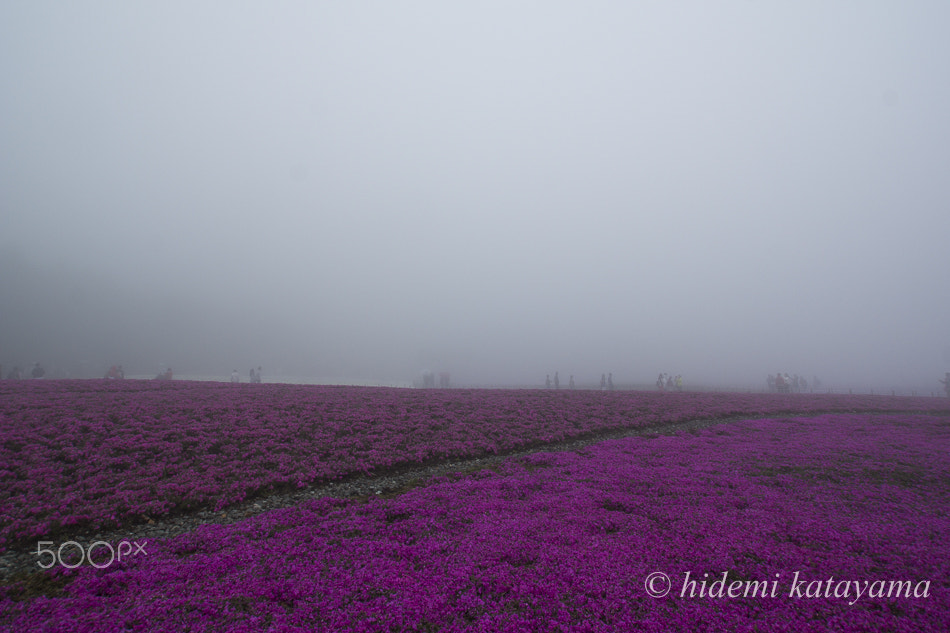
(505, 189)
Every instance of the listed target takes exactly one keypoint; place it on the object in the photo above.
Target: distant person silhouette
(780, 383)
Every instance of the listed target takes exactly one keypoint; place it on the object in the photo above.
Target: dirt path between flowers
(21, 575)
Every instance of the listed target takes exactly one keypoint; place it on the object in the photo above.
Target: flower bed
(79, 455)
(565, 542)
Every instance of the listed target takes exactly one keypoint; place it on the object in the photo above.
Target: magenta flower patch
(829, 508)
(93, 454)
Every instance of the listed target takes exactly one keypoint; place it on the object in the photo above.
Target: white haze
(498, 189)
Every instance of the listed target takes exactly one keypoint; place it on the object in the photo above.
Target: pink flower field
(842, 518)
(829, 514)
(93, 454)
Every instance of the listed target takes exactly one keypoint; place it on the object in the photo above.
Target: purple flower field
(93, 454)
(826, 512)
(98, 454)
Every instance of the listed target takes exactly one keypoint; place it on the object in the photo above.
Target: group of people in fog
(606, 382)
(783, 383)
(777, 383)
(428, 379)
(115, 373)
(16, 373)
(667, 382)
(557, 381)
(664, 382)
(254, 376)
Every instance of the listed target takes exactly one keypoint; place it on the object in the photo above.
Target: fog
(363, 191)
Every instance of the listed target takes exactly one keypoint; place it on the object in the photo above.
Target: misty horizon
(501, 192)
